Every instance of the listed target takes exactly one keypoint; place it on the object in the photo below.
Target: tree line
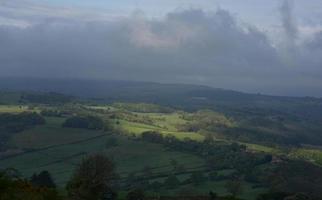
(95, 178)
(11, 123)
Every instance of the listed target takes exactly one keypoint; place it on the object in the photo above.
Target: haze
(271, 47)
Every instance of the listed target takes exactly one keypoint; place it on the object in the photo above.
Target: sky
(271, 47)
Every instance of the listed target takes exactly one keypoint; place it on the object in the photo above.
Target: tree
(13, 123)
(93, 179)
(13, 187)
(234, 187)
(43, 179)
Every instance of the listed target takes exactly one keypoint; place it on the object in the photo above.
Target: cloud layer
(187, 46)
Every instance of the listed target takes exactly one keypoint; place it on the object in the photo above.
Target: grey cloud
(288, 46)
(288, 20)
(190, 46)
(23, 13)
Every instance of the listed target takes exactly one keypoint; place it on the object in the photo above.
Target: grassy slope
(71, 145)
(312, 155)
(50, 134)
(164, 123)
(60, 149)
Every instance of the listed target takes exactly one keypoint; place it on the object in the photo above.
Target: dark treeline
(45, 98)
(15, 187)
(144, 107)
(87, 122)
(18, 122)
(219, 156)
(43, 179)
(51, 113)
(12, 123)
(251, 134)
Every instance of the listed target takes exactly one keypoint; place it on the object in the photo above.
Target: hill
(259, 118)
(160, 149)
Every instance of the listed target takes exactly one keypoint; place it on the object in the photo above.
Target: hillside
(154, 146)
(260, 118)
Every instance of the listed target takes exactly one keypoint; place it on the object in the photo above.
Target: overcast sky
(272, 47)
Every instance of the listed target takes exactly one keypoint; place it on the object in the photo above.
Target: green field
(137, 129)
(12, 108)
(165, 123)
(129, 156)
(312, 155)
(50, 134)
(59, 150)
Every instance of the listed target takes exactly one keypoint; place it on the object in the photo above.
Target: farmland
(57, 149)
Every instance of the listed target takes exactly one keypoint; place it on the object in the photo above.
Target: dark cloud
(190, 46)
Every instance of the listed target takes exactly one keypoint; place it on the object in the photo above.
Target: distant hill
(251, 118)
(173, 94)
(183, 96)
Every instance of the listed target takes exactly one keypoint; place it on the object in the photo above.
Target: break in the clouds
(198, 46)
